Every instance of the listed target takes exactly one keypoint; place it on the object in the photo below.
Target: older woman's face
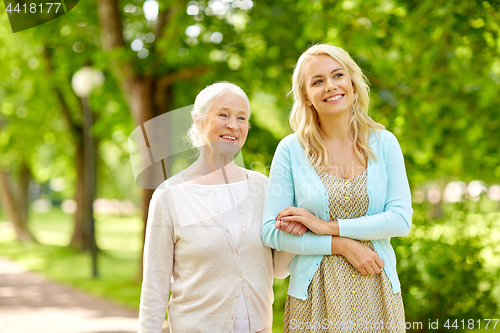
(227, 121)
(328, 86)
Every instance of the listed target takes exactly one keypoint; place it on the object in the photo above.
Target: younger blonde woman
(337, 193)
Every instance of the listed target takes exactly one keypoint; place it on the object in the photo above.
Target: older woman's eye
(242, 118)
(223, 115)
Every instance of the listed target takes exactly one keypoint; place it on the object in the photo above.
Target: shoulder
(291, 146)
(382, 139)
(257, 177)
(161, 193)
(381, 135)
(289, 141)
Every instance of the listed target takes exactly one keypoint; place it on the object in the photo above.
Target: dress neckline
(345, 179)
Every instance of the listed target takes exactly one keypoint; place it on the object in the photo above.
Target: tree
(149, 85)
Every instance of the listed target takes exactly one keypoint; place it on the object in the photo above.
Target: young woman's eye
(317, 82)
(338, 75)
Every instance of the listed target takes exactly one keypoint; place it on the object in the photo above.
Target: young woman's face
(226, 122)
(328, 86)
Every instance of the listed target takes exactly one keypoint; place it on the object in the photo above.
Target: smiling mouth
(228, 137)
(334, 98)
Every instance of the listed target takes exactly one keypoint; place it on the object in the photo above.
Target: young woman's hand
(364, 259)
(303, 216)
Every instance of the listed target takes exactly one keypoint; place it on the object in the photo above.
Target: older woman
(341, 177)
(203, 233)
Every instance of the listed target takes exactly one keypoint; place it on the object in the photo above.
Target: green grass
(119, 239)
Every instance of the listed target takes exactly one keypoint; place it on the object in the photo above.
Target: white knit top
(190, 252)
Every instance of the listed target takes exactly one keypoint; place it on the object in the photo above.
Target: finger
(277, 224)
(284, 225)
(370, 270)
(296, 229)
(287, 212)
(375, 269)
(281, 214)
(380, 263)
(302, 230)
(290, 227)
(292, 218)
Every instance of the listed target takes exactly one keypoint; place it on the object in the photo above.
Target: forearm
(157, 271)
(340, 244)
(331, 228)
(382, 225)
(281, 263)
(298, 220)
(390, 199)
(307, 244)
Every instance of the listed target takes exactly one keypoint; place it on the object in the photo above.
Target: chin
(226, 148)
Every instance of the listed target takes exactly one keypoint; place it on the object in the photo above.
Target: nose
(330, 85)
(231, 124)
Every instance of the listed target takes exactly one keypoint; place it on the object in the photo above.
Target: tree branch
(65, 109)
(111, 25)
(112, 38)
(185, 73)
(164, 18)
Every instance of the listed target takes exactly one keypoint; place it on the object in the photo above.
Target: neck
(212, 160)
(336, 127)
(213, 168)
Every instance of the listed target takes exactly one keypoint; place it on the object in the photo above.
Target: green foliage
(449, 267)
(434, 68)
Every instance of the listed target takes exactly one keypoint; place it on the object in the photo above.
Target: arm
(281, 263)
(158, 264)
(360, 256)
(280, 194)
(395, 220)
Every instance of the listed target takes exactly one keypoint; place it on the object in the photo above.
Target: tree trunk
(16, 202)
(89, 171)
(147, 96)
(148, 100)
(77, 238)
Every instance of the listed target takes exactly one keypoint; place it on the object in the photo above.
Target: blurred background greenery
(434, 69)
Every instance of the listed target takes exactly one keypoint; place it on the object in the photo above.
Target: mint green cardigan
(294, 182)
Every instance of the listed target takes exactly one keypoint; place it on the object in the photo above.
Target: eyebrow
(228, 109)
(320, 75)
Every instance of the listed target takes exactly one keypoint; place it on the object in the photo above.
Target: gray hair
(204, 101)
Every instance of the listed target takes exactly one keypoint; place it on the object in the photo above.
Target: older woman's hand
(295, 228)
(304, 217)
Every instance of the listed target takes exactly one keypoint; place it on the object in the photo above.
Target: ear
(308, 102)
(197, 123)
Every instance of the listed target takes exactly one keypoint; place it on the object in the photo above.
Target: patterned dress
(340, 298)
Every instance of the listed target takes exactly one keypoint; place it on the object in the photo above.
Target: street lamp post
(83, 82)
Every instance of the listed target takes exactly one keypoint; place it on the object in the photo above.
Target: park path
(29, 303)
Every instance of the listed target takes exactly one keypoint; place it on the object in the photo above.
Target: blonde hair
(204, 101)
(304, 119)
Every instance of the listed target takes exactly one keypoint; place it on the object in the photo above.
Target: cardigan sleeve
(280, 194)
(158, 265)
(395, 220)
